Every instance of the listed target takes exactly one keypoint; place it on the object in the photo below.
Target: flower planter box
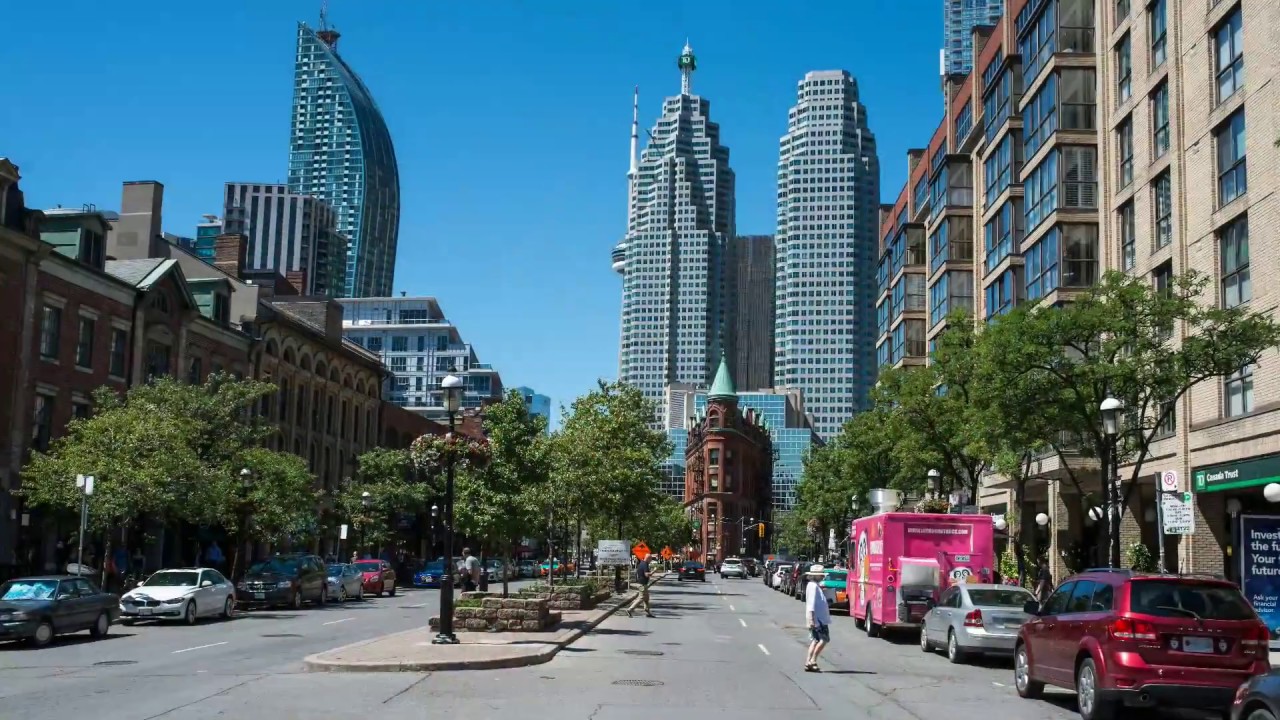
(568, 597)
(504, 614)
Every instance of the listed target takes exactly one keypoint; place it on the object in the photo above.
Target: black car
(753, 567)
(1258, 699)
(693, 571)
(38, 608)
(288, 580)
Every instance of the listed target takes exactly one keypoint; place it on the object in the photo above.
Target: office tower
(420, 347)
(536, 403)
(294, 235)
(340, 151)
(753, 285)
(959, 18)
(674, 258)
(828, 208)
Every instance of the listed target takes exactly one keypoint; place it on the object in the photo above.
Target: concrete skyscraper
(340, 151)
(674, 258)
(828, 220)
(959, 18)
(294, 235)
(753, 286)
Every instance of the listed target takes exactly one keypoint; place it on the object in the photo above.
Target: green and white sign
(1229, 476)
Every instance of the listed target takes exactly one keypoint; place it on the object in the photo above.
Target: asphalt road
(720, 649)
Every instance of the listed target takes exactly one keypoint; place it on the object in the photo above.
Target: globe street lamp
(365, 501)
(246, 483)
(935, 482)
(1110, 410)
(451, 389)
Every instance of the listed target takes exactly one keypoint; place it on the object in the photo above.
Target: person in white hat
(818, 615)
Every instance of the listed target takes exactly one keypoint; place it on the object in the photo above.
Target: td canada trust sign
(1240, 474)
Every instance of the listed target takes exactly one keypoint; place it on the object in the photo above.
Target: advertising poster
(1260, 568)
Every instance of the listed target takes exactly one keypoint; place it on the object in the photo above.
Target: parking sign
(1169, 481)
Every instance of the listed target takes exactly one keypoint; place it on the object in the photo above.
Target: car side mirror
(1031, 607)
(931, 603)
(137, 583)
(207, 583)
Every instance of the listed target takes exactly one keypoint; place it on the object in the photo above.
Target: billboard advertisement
(1260, 568)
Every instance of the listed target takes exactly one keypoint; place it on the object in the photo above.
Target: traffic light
(760, 530)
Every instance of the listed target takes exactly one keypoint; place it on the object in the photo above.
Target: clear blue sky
(511, 122)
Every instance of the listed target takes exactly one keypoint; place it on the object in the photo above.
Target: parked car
(692, 571)
(549, 566)
(498, 570)
(779, 576)
(287, 579)
(430, 576)
(345, 582)
(528, 569)
(180, 593)
(733, 567)
(975, 620)
(379, 577)
(1126, 639)
(753, 567)
(767, 571)
(1258, 699)
(38, 608)
(835, 586)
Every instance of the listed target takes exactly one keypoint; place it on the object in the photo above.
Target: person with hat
(818, 616)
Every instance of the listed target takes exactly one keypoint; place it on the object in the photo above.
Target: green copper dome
(722, 387)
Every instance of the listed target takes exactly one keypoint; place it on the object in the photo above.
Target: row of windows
(86, 330)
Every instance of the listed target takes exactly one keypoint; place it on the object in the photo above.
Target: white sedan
(186, 594)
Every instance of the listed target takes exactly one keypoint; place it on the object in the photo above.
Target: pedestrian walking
(642, 584)
(471, 571)
(1044, 582)
(818, 616)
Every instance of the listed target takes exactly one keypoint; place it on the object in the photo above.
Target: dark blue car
(430, 576)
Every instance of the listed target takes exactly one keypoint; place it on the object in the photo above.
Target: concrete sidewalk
(412, 650)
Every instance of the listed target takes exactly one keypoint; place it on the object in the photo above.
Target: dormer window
(160, 303)
(221, 308)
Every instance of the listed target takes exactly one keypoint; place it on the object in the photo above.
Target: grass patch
(468, 603)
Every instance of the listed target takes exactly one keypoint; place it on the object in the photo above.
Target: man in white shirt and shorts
(818, 615)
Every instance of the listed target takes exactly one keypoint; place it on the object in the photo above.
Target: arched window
(328, 415)
(342, 420)
(315, 409)
(284, 400)
(300, 415)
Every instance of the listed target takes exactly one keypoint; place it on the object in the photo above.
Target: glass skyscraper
(828, 222)
(340, 151)
(959, 18)
(674, 258)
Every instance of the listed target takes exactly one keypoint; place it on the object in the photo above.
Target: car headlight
(240, 585)
(15, 616)
(175, 601)
(284, 584)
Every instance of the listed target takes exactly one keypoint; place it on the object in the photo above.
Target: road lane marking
(993, 682)
(732, 608)
(413, 607)
(199, 647)
(763, 649)
(744, 622)
(335, 622)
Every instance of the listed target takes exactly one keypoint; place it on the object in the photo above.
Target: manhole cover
(280, 635)
(642, 652)
(638, 683)
(117, 662)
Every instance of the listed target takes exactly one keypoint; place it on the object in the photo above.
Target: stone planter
(504, 614)
(572, 597)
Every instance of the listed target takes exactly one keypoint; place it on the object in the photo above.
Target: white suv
(733, 567)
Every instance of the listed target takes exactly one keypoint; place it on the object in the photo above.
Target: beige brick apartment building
(1118, 134)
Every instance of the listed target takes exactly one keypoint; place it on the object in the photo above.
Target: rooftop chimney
(229, 253)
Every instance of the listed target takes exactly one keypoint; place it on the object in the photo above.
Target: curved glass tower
(340, 151)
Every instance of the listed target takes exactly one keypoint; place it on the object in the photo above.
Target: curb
(314, 663)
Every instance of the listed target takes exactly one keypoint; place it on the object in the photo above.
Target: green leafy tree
(497, 503)
(1143, 345)
(279, 504)
(394, 487)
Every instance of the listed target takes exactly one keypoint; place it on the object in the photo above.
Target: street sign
(612, 552)
(1169, 481)
(666, 553)
(342, 532)
(1179, 514)
(641, 550)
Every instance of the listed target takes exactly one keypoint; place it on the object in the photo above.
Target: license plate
(259, 596)
(1197, 645)
(144, 611)
(961, 558)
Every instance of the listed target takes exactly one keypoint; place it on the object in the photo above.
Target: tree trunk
(506, 586)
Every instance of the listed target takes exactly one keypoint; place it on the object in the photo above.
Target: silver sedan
(346, 582)
(975, 620)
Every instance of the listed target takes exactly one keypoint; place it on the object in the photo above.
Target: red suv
(1125, 639)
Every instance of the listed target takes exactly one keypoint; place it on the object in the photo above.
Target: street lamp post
(365, 501)
(85, 484)
(1110, 409)
(451, 389)
(246, 482)
(935, 482)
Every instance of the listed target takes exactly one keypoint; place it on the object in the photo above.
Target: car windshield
(336, 570)
(836, 577)
(436, 566)
(1183, 599)
(173, 579)
(275, 566)
(732, 562)
(693, 566)
(29, 590)
(369, 566)
(495, 563)
(999, 598)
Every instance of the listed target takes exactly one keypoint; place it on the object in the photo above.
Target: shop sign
(1260, 568)
(1241, 474)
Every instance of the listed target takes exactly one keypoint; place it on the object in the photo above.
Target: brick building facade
(729, 476)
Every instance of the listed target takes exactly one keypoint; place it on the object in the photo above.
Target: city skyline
(450, 232)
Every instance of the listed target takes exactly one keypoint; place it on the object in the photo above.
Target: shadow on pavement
(848, 672)
(61, 641)
(619, 631)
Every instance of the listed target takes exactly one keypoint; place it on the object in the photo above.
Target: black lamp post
(365, 501)
(246, 484)
(451, 389)
(1110, 410)
(935, 483)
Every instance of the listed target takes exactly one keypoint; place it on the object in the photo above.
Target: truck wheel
(873, 630)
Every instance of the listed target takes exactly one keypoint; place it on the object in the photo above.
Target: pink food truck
(904, 560)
